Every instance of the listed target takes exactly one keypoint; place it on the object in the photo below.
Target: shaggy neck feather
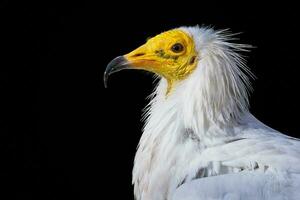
(214, 95)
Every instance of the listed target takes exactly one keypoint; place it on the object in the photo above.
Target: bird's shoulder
(244, 185)
(257, 144)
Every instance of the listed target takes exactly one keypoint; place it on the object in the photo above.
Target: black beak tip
(117, 64)
(105, 77)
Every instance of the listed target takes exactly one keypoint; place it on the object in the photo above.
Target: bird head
(201, 67)
(171, 55)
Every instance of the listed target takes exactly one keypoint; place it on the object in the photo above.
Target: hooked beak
(117, 64)
(140, 58)
(137, 59)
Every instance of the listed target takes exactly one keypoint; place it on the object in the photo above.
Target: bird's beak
(117, 64)
(137, 59)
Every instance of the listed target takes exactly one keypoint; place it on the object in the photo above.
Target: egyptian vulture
(200, 142)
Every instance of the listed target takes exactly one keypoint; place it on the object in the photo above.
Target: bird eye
(177, 48)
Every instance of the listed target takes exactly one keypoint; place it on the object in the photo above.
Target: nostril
(192, 60)
(138, 54)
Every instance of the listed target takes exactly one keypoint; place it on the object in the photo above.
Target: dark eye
(177, 48)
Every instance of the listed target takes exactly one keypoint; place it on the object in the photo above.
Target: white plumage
(201, 142)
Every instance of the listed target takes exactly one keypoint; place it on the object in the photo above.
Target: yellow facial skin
(170, 54)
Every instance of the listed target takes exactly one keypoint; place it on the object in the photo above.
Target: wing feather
(241, 186)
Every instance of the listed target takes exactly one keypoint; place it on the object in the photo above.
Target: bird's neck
(175, 123)
(186, 110)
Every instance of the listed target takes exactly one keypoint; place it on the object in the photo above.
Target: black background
(68, 137)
